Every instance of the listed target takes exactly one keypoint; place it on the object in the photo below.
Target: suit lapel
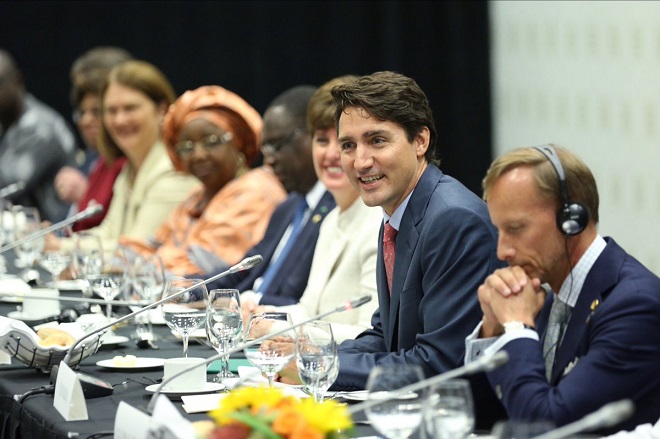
(599, 281)
(305, 240)
(406, 243)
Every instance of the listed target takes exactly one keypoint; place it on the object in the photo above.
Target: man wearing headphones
(594, 338)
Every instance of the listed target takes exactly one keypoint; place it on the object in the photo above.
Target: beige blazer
(137, 211)
(343, 268)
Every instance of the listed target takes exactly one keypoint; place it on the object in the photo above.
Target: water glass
(224, 325)
(399, 414)
(275, 352)
(147, 283)
(449, 411)
(185, 311)
(316, 356)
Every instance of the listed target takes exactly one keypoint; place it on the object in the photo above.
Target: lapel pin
(316, 218)
(592, 308)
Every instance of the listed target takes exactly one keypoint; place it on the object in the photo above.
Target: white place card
(69, 400)
(168, 421)
(131, 423)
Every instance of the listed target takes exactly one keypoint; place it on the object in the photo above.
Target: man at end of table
(595, 337)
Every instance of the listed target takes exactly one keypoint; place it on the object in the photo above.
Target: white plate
(19, 315)
(140, 363)
(208, 388)
(112, 340)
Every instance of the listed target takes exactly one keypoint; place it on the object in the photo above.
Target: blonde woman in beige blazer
(134, 102)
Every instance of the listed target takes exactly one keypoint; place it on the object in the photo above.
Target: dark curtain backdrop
(259, 49)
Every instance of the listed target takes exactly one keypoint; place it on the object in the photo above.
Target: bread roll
(55, 337)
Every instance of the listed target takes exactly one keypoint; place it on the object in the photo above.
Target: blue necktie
(296, 227)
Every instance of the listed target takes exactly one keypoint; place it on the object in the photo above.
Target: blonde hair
(580, 182)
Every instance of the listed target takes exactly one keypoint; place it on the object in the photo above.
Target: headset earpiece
(572, 217)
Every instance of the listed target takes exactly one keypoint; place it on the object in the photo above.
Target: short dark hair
(295, 100)
(321, 109)
(390, 96)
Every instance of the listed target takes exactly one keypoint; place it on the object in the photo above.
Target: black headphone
(573, 216)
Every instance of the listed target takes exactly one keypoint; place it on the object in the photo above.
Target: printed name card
(131, 423)
(69, 400)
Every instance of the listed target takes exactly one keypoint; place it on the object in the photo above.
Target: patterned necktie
(389, 245)
(559, 314)
(274, 266)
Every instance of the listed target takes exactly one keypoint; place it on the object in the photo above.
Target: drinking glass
(26, 222)
(147, 281)
(316, 355)
(449, 411)
(274, 352)
(55, 262)
(87, 259)
(399, 414)
(112, 280)
(184, 312)
(224, 326)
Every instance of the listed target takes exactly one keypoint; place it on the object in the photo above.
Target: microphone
(91, 211)
(12, 189)
(608, 415)
(348, 305)
(245, 264)
(483, 364)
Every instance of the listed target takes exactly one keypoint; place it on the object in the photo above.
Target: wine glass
(449, 411)
(87, 259)
(26, 222)
(55, 262)
(184, 312)
(112, 280)
(224, 325)
(399, 414)
(316, 355)
(274, 352)
(148, 281)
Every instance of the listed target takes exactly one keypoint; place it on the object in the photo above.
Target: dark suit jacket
(288, 285)
(606, 355)
(445, 248)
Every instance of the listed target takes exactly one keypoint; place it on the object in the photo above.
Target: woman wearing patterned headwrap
(214, 135)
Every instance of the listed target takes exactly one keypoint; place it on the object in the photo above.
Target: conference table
(36, 417)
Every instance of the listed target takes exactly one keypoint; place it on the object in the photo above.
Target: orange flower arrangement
(261, 412)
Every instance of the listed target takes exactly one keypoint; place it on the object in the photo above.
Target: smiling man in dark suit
(438, 237)
(289, 241)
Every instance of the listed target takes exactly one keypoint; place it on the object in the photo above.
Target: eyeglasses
(187, 147)
(277, 147)
(79, 114)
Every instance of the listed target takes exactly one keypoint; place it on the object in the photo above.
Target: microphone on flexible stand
(245, 264)
(346, 306)
(91, 211)
(608, 415)
(12, 189)
(483, 364)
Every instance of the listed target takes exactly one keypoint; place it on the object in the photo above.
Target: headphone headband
(573, 217)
